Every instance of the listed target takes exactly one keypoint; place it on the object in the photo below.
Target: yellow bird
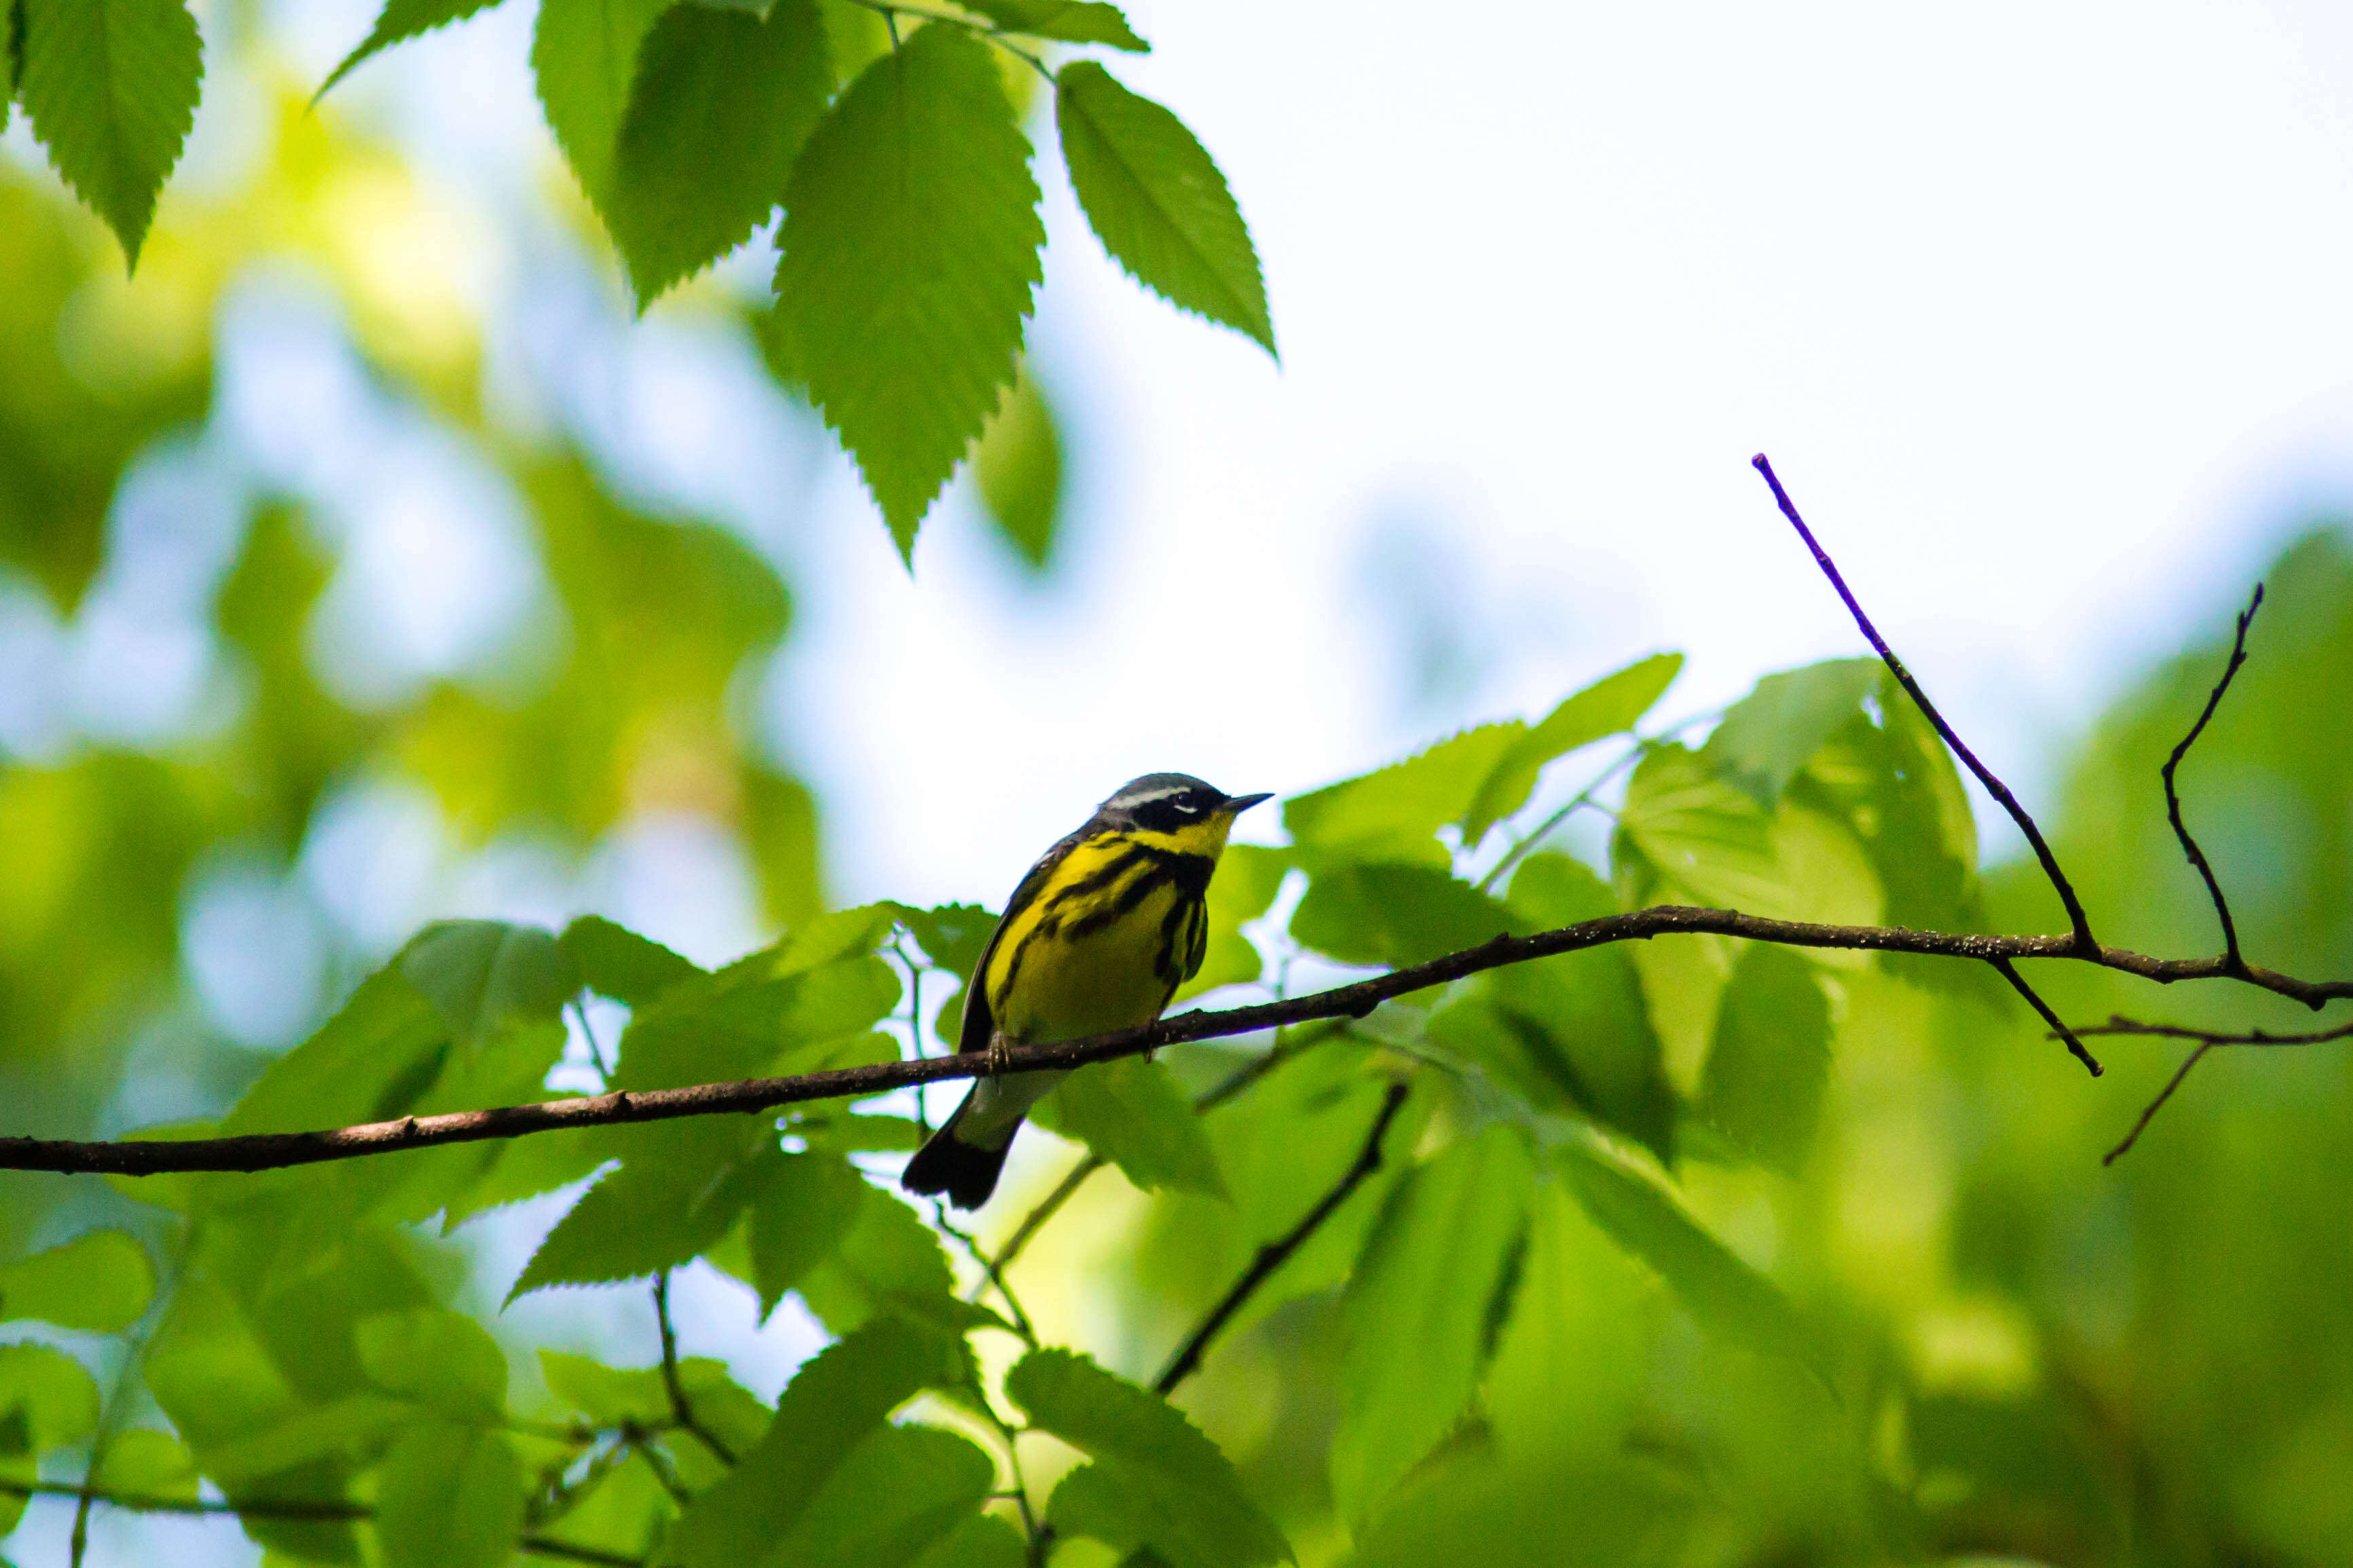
(1098, 936)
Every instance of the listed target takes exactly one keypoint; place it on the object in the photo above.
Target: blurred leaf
(1414, 1319)
(838, 1397)
(1395, 812)
(985, 1542)
(1019, 467)
(780, 829)
(718, 109)
(953, 936)
(614, 960)
(1772, 1058)
(372, 1060)
(147, 1463)
(899, 1492)
(450, 1497)
(1394, 915)
(1158, 201)
(110, 87)
(1616, 1512)
(399, 21)
(584, 55)
(676, 1194)
(1610, 706)
(1701, 836)
(1132, 1112)
(46, 1397)
(1729, 1299)
(1767, 736)
(484, 977)
(1069, 21)
(908, 256)
(1570, 1366)
(439, 1358)
(100, 1282)
(1154, 1480)
(1248, 877)
(802, 1206)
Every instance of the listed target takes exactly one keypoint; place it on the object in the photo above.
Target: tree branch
(681, 1411)
(1274, 1254)
(2085, 944)
(2173, 803)
(271, 1151)
(2206, 1040)
(2059, 1029)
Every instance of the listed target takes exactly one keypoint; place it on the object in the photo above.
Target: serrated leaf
(1704, 837)
(1395, 915)
(838, 1396)
(953, 936)
(100, 1282)
(909, 255)
(449, 1497)
(1132, 1112)
(1414, 1323)
(1634, 1204)
(1768, 736)
(889, 1263)
(399, 21)
(898, 1493)
(1610, 706)
(1017, 468)
(584, 56)
(110, 87)
(1770, 1060)
(1154, 1480)
(436, 1357)
(486, 977)
(1157, 202)
(614, 960)
(373, 1059)
(1394, 813)
(671, 1199)
(802, 1206)
(718, 110)
(1066, 21)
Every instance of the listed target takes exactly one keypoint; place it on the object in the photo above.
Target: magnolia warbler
(1098, 936)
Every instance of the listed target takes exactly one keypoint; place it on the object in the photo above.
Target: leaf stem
(681, 1411)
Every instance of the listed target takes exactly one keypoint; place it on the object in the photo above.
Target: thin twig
(2117, 1025)
(272, 1151)
(2173, 800)
(681, 1411)
(2163, 1095)
(2009, 971)
(992, 1271)
(892, 12)
(1274, 1254)
(2085, 944)
(1047, 1206)
(595, 1051)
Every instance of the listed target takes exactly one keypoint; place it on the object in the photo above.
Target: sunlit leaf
(1771, 1058)
(1158, 201)
(399, 21)
(1155, 1479)
(450, 1497)
(1395, 915)
(1610, 706)
(110, 87)
(100, 1282)
(1132, 1112)
(1018, 470)
(985, 1542)
(614, 960)
(1768, 736)
(46, 1397)
(1067, 21)
(908, 256)
(900, 1492)
(1704, 839)
(1571, 1361)
(143, 1462)
(584, 55)
(1395, 812)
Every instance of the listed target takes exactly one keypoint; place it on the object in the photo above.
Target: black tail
(966, 1171)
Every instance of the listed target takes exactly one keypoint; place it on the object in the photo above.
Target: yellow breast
(1101, 947)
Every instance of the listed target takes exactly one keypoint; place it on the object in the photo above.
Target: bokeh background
(362, 561)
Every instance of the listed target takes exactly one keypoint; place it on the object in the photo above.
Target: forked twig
(2173, 800)
(681, 1411)
(2207, 1040)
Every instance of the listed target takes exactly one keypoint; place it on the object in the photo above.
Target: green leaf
(676, 1194)
(486, 977)
(1395, 915)
(450, 1497)
(373, 1059)
(1635, 1204)
(399, 21)
(953, 936)
(837, 1398)
(149, 1464)
(584, 55)
(721, 105)
(1157, 202)
(1248, 877)
(1414, 1319)
(1019, 469)
(909, 254)
(1610, 706)
(1395, 812)
(1132, 1112)
(890, 1264)
(614, 960)
(46, 1399)
(110, 87)
(1066, 21)
(1771, 1058)
(984, 1542)
(1572, 1357)
(802, 1208)
(1155, 1479)
(1768, 736)
(100, 1282)
(1704, 839)
(901, 1491)
(436, 1357)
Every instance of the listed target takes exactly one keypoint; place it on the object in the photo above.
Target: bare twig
(2059, 1029)
(1047, 1206)
(2084, 943)
(680, 1410)
(992, 1271)
(2133, 1137)
(595, 1051)
(1275, 1254)
(271, 1151)
(2206, 1040)
(2173, 800)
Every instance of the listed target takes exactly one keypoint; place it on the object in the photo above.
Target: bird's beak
(1242, 803)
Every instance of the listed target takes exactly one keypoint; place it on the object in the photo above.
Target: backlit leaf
(1018, 470)
(46, 1397)
(1610, 706)
(373, 1059)
(1570, 1364)
(1158, 201)
(584, 55)
(450, 1497)
(1395, 812)
(485, 977)
(1395, 915)
(801, 1208)
(400, 20)
(1067, 21)
(436, 1357)
(1768, 736)
(1771, 1058)
(110, 87)
(100, 1282)
(900, 1492)
(909, 254)
(1132, 1112)
(673, 1198)
(614, 960)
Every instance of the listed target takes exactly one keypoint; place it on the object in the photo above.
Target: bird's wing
(979, 1022)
